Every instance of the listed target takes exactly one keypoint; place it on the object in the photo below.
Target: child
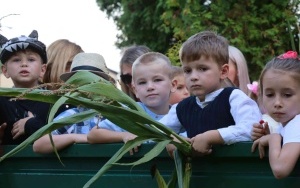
(179, 90)
(267, 125)
(280, 89)
(212, 114)
(24, 61)
(152, 85)
(76, 133)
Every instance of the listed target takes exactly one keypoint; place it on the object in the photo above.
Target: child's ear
(224, 71)
(43, 70)
(4, 71)
(174, 85)
(134, 90)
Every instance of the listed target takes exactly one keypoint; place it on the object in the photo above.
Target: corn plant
(101, 97)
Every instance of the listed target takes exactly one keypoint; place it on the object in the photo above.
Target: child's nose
(194, 76)
(186, 92)
(24, 63)
(278, 102)
(150, 86)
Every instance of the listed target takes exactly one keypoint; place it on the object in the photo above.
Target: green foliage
(258, 28)
(101, 97)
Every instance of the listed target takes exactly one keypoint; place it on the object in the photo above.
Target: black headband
(86, 67)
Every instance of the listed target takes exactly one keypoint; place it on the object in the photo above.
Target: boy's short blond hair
(205, 44)
(151, 58)
(176, 71)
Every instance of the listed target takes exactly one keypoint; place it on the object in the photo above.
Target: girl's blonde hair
(237, 57)
(59, 53)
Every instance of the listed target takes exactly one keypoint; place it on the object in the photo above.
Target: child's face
(25, 68)
(204, 76)
(152, 86)
(179, 90)
(281, 95)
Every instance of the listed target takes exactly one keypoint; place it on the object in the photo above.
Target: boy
(212, 114)
(179, 90)
(76, 133)
(152, 85)
(24, 61)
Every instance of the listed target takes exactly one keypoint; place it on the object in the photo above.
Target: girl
(280, 89)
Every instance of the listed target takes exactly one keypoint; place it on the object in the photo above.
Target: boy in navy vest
(214, 113)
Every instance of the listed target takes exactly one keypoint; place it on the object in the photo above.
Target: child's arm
(202, 143)
(100, 135)
(43, 144)
(282, 160)
(246, 113)
(171, 120)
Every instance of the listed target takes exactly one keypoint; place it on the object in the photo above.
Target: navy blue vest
(215, 115)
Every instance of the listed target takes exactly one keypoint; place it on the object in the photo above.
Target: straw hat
(91, 62)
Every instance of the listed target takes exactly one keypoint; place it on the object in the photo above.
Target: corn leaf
(118, 155)
(178, 165)
(93, 92)
(159, 179)
(154, 152)
(50, 127)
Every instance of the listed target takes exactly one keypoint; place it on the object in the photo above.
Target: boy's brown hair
(205, 44)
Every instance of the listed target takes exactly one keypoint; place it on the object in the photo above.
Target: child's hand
(129, 136)
(259, 129)
(201, 145)
(261, 143)
(19, 126)
(2, 128)
(170, 149)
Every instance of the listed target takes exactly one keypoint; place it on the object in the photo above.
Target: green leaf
(154, 152)
(159, 179)
(178, 165)
(101, 97)
(118, 155)
(50, 127)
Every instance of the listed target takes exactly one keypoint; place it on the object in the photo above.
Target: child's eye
(16, 59)
(142, 82)
(180, 87)
(157, 80)
(202, 69)
(31, 59)
(187, 71)
(269, 95)
(287, 95)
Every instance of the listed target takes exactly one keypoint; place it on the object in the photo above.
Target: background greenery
(259, 28)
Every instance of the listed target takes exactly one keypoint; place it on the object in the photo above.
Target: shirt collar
(208, 98)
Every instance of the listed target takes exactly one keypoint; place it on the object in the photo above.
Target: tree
(260, 29)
